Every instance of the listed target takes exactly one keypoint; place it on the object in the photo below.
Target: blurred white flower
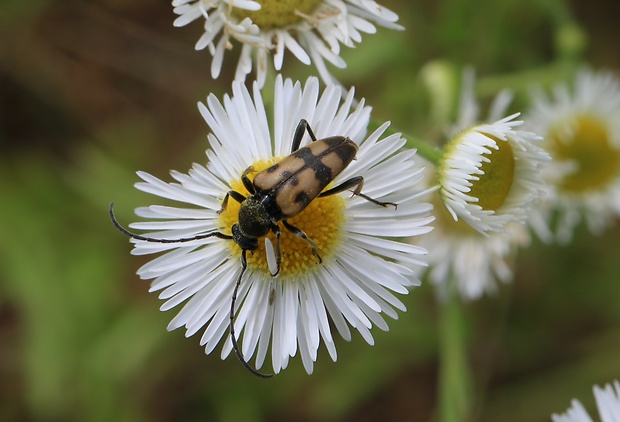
(460, 258)
(581, 131)
(607, 401)
(464, 261)
(312, 30)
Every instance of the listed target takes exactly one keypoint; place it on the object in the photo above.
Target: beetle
(277, 193)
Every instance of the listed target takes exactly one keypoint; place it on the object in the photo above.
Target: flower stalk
(428, 151)
(455, 386)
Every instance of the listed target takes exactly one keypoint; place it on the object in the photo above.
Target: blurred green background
(93, 91)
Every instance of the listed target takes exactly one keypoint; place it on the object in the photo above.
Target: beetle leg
(246, 365)
(247, 183)
(358, 182)
(155, 240)
(302, 126)
(300, 234)
(235, 195)
(276, 230)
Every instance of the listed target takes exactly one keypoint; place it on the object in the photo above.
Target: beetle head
(246, 243)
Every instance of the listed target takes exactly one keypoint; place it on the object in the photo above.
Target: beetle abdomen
(297, 179)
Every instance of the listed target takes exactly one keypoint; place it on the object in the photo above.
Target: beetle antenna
(246, 365)
(151, 239)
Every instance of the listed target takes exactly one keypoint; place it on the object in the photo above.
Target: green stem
(455, 389)
(426, 150)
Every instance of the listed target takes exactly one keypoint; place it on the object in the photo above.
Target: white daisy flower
(607, 401)
(489, 175)
(464, 261)
(581, 130)
(357, 240)
(461, 259)
(312, 30)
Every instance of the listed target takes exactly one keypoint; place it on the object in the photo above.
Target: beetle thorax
(254, 219)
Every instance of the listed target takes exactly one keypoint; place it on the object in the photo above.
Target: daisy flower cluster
(302, 224)
(581, 130)
(355, 282)
(312, 30)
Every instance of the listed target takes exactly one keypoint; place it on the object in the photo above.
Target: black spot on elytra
(322, 173)
(273, 168)
(305, 154)
(302, 197)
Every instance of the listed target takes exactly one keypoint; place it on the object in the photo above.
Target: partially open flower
(460, 258)
(581, 131)
(489, 174)
(312, 30)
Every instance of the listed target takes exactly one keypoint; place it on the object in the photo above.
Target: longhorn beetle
(277, 193)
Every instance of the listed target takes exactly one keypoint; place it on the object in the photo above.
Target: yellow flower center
(321, 220)
(278, 13)
(496, 182)
(586, 143)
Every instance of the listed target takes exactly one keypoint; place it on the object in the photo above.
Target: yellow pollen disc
(278, 13)
(587, 144)
(321, 220)
(496, 182)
